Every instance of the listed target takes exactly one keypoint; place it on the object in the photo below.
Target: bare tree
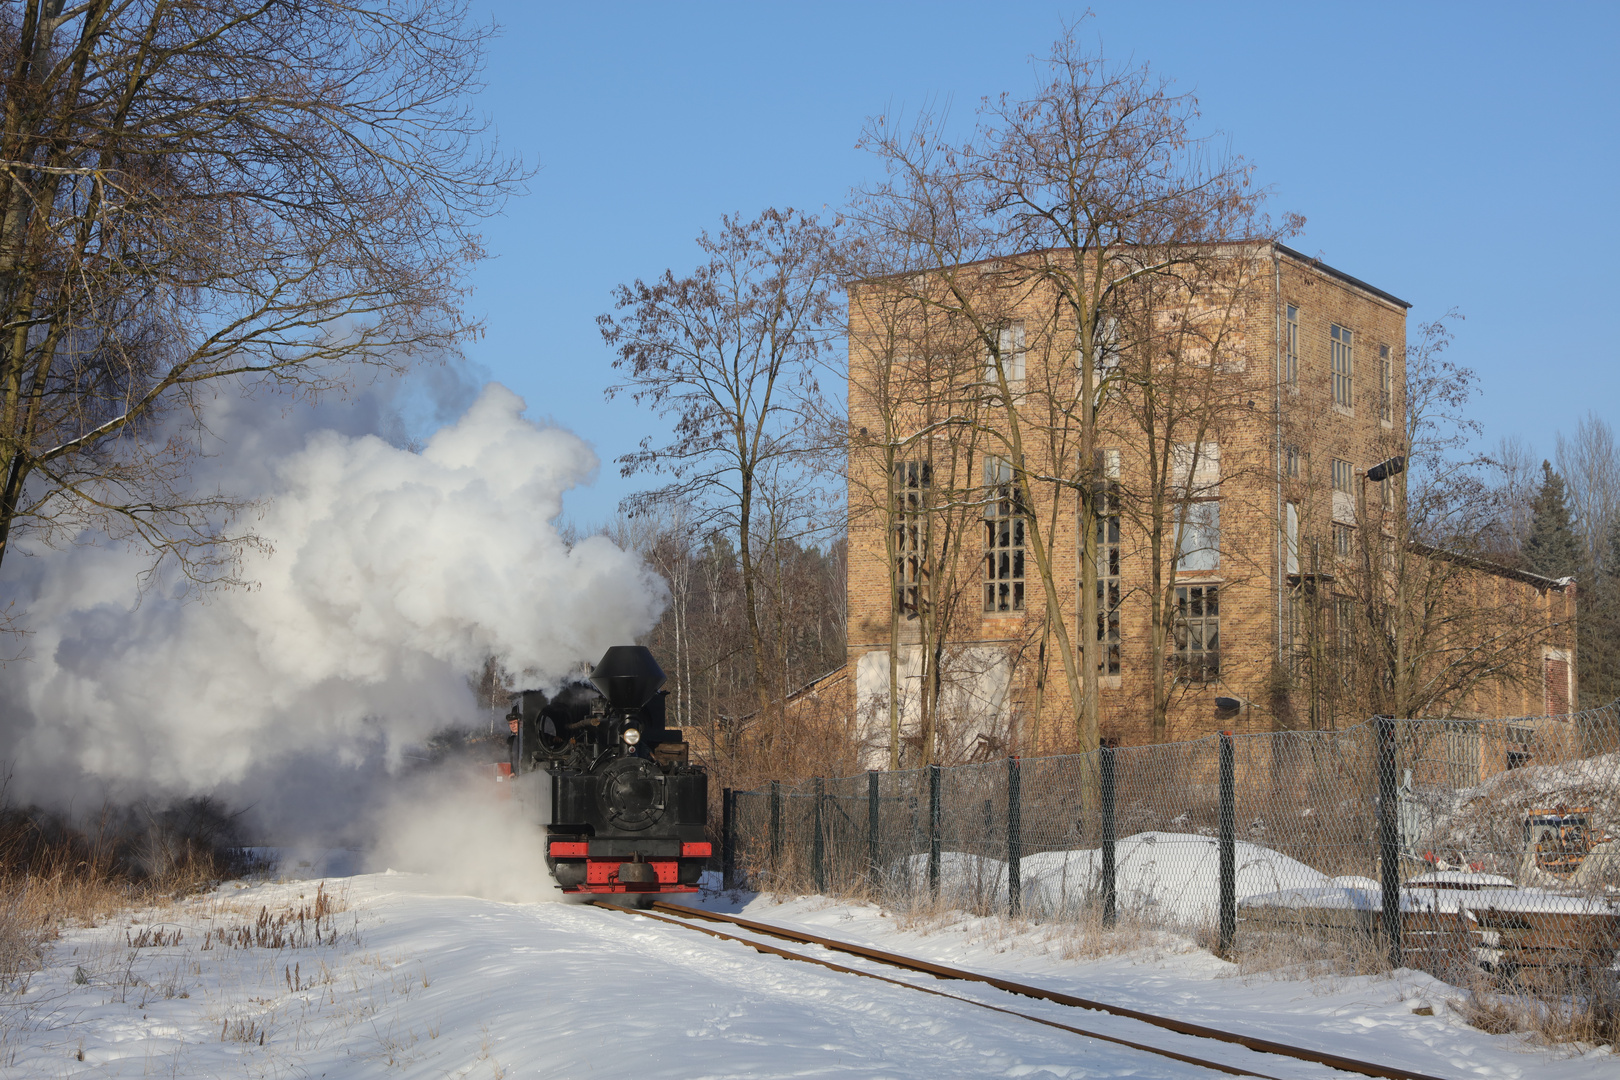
(731, 352)
(1030, 228)
(1590, 466)
(205, 191)
(1185, 375)
(1517, 475)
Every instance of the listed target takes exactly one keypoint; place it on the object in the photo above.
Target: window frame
(1344, 540)
(1197, 622)
(1005, 545)
(913, 484)
(1291, 537)
(1291, 346)
(1343, 471)
(1386, 385)
(1344, 640)
(1012, 347)
(1105, 350)
(1198, 521)
(1109, 590)
(1341, 349)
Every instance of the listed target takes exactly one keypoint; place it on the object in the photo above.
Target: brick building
(1234, 457)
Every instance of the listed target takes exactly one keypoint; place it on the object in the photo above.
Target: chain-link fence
(1462, 847)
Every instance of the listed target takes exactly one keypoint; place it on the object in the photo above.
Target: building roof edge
(1488, 567)
(1318, 264)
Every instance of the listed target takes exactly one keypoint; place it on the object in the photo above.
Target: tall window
(1108, 591)
(1291, 461)
(1293, 627)
(1344, 500)
(1291, 347)
(1291, 537)
(1386, 384)
(912, 481)
(1198, 633)
(1344, 631)
(1010, 349)
(1196, 473)
(1343, 539)
(1340, 344)
(1105, 347)
(1004, 539)
(1344, 477)
(1198, 528)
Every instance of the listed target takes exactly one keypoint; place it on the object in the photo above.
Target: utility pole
(1371, 547)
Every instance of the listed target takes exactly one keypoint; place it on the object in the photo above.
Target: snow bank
(1171, 877)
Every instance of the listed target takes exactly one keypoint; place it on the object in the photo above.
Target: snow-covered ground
(411, 982)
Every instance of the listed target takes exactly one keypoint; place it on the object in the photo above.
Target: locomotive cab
(622, 807)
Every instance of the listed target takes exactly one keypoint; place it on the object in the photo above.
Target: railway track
(679, 915)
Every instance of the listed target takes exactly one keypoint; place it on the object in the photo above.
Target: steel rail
(773, 950)
(942, 971)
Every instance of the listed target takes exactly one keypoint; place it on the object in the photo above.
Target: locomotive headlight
(632, 736)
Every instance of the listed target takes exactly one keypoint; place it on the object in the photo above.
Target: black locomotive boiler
(623, 809)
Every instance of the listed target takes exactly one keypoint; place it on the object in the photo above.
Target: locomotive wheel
(632, 793)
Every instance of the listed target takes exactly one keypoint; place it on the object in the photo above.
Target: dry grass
(1307, 954)
(21, 939)
(1082, 935)
(1573, 1006)
(301, 923)
(56, 872)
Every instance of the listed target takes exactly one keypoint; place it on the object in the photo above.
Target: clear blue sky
(1458, 155)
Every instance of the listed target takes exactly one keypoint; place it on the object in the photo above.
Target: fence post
(1389, 837)
(872, 851)
(728, 839)
(818, 854)
(1228, 827)
(776, 831)
(1105, 764)
(1015, 839)
(933, 830)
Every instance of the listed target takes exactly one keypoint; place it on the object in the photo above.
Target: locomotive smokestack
(628, 676)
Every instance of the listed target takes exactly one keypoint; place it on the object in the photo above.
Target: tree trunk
(1159, 633)
(1090, 727)
(756, 638)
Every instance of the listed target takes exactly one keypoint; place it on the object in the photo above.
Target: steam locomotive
(623, 809)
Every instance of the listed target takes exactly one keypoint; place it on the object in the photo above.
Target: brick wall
(1256, 417)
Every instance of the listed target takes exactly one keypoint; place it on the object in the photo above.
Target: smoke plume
(388, 576)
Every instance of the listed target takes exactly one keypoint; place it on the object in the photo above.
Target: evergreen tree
(1551, 548)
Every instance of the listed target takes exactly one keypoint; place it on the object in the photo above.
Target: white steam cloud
(390, 576)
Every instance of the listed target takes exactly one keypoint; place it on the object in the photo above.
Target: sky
(1459, 156)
